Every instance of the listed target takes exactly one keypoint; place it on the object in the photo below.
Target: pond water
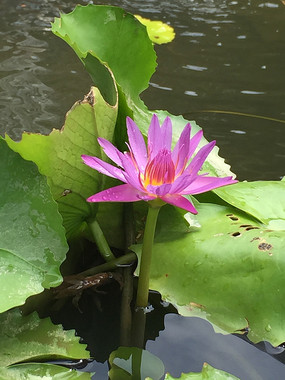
(225, 69)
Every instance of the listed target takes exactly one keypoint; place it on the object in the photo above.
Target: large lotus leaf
(37, 371)
(227, 268)
(29, 338)
(208, 372)
(114, 37)
(265, 200)
(32, 240)
(58, 157)
(118, 40)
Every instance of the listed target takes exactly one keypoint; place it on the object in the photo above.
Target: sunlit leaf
(158, 31)
(58, 157)
(32, 240)
(265, 200)
(134, 363)
(208, 372)
(29, 338)
(227, 268)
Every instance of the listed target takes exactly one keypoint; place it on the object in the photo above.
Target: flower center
(160, 169)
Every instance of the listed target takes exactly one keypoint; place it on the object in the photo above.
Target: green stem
(101, 242)
(110, 265)
(143, 284)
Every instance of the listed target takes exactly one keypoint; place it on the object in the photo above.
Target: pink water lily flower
(156, 171)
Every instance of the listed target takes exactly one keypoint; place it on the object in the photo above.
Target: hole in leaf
(236, 234)
(232, 216)
(252, 228)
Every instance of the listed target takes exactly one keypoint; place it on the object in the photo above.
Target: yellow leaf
(158, 31)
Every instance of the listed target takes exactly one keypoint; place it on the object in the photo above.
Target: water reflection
(201, 344)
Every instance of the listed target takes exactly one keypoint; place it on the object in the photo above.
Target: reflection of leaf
(134, 363)
(58, 156)
(37, 371)
(158, 31)
(208, 372)
(229, 271)
(30, 338)
(32, 241)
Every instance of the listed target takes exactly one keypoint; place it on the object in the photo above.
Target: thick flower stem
(101, 241)
(143, 284)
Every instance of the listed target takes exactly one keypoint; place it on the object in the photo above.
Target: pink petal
(121, 193)
(131, 174)
(166, 134)
(202, 184)
(153, 138)
(159, 190)
(179, 201)
(181, 183)
(180, 152)
(103, 167)
(137, 144)
(194, 142)
(198, 161)
(110, 150)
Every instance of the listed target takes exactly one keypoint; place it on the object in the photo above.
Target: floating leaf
(113, 36)
(29, 338)
(37, 371)
(228, 268)
(32, 240)
(58, 157)
(208, 372)
(265, 200)
(158, 31)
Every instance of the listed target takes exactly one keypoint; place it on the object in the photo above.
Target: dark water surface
(227, 56)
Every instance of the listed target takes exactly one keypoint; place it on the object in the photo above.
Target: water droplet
(268, 328)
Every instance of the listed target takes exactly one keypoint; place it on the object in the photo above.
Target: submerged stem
(124, 260)
(143, 284)
(101, 241)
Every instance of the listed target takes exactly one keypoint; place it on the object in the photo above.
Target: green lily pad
(37, 371)
(265, 200)
(30, 339)
(158, 31)
(32, 239)
(113, 36)
(227, 268)
(208, 372)
(58, 157)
